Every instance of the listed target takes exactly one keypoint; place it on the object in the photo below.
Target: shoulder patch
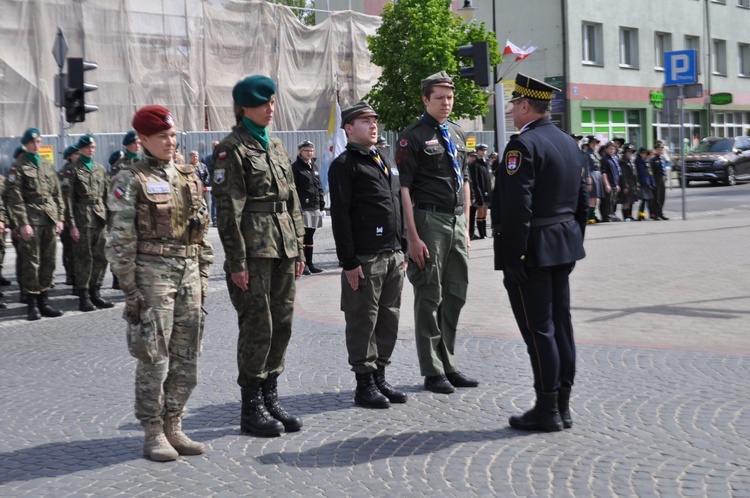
(512, 161)
(222, 154)
(12, 176)
(219, 174)
(403, 142)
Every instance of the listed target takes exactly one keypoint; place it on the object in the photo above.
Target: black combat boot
(84, 303)
(482, 227)
(32, 312)
(308, 250)
(3, 281)
(97, 299)
(271, 400)
(367, 394)
(45, 308)
(544, 417)
(393, 395)
(563, 404)
(255, 419)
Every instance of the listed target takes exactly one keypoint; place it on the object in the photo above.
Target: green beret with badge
(69, 151)
(85, 141)
(29, 135)
(253, 91)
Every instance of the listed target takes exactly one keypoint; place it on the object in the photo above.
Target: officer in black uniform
(539, 209)
(311, 200)
(480, 192)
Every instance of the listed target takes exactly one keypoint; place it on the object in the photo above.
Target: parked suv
(719, 160)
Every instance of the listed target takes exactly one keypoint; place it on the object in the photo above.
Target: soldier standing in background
(131, 154)
(261, 229)
(312, 202)
(158, 248)
(3, 222)
(86, 186)
(70, 155)
(36, 207)
(481, 186)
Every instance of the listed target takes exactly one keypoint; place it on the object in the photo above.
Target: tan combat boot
(179, 440)
(155, 446)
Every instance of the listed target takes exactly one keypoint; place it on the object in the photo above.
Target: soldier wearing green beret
(261, 229)
(431, 157)
(87, 185)
(36, 207)
(130, 155)
(70, 155)
(3, 222)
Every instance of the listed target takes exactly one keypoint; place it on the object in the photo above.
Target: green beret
(253, 91)
(130, 138)
(115, 156)
(69, 151)
(358, 110)
(85, 141)
(19, 150)
(30, 135)
(441, 79)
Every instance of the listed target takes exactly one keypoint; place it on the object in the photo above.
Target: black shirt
(309, 188)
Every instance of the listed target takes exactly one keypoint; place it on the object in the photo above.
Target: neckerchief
(451, 149)
(34, 158)
(87, 161)
(374, 154)
(259, 133)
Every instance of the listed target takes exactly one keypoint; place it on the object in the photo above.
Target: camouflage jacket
(155, 204)
(3, 213)
(257, 208)
(33, 193)
(85, 194)
(119, 164)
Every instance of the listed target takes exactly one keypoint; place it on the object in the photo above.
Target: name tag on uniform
(394, 171)
(157, 188)
(430, 143)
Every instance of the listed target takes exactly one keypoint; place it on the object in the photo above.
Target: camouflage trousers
(167, 342)
(2, 249)
(89, 262)
(264, 314)
(37, 259)
(67, 252)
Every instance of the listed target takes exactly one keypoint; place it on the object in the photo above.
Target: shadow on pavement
(686, 309)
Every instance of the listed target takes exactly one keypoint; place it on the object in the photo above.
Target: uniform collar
(153, 162)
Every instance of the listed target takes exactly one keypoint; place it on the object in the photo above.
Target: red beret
(152, 119)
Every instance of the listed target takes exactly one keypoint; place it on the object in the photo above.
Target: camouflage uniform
(126, 159)
(67, 241)
(34, 198)
(261, 229)
(157, 247)
(4, 219)
(85, 201)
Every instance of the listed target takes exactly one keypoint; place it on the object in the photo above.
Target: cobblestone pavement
(660, 405)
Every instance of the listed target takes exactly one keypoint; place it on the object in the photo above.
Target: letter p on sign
(680, 67)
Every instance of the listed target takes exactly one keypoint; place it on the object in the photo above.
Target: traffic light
(74, 96)
(480, 55)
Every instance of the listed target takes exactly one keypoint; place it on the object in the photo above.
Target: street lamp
(467, 12)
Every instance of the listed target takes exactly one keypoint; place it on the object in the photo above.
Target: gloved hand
(133, 309)
(322, 213)
(516, 274)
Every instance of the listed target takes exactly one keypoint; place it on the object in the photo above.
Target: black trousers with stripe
(542, 310)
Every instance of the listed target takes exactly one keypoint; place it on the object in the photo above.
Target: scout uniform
(261, 229)
(539, 211)
(35, 204)
(312, 202)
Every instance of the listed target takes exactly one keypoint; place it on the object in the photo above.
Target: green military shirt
(425, 166)
(33, 193)
(257, 208)
(85, 194)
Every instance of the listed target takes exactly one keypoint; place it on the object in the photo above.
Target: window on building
(666, 123)
(662, 43)
(743, 59)
(723, 2)
(694, 43)
(592, 44)
(743, 3)
(719, 57)
(730, 124)
(610, 123)
(628, 47)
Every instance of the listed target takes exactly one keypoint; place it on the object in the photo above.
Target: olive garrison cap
(532, 89)
(382, 141)
(253, 91)
(440, 79)
(69, 151)
(152, 119)
(359, 110)
(85, 141)
(129, 138)
(115, 156)
(29, 135)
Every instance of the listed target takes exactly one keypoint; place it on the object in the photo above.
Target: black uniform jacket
(309, 188)
(481, 182)
(540, 201)
(366, 212)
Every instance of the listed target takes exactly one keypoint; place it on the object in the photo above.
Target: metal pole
(682, 148)
(499, 119)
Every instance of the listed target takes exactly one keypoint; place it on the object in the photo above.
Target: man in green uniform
(70, 155)
(86, 185)
(158, 248)
(130, 155)
(36, 207)
(431, 159)
(261, 229)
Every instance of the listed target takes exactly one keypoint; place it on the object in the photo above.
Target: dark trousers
(372, 311)
(542, 311)
(661, 192)
(472, 219)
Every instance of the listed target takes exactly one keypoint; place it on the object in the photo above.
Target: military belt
(88, 202)
(35, 201)
(426, 206)
(170, 250)
(265, 207)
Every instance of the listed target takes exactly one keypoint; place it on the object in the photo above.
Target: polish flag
(520, 53)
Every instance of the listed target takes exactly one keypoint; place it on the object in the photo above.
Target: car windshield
(715, 146)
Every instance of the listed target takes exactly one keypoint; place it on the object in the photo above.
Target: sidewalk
(660, 311)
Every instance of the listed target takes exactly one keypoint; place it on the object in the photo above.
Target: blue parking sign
(680, 67)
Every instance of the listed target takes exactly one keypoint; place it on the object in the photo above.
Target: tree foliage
(419, 38)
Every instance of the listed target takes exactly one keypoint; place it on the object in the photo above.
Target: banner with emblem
(335, 143)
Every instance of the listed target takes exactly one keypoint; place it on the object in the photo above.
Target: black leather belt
(551, 220)
(265, 207)
(89, 202)
(426, 206)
